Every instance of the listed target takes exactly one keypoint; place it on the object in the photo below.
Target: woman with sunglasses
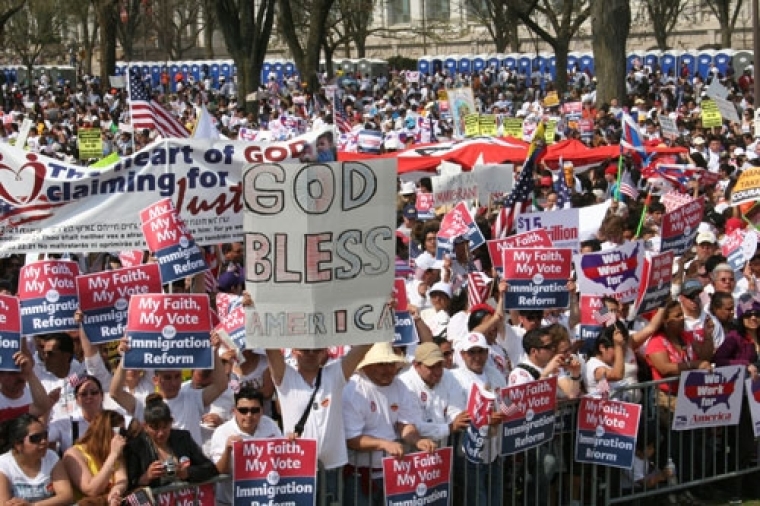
(64, 432)
(160, 454)
(740, 344)
(30, 472)
(95, 464)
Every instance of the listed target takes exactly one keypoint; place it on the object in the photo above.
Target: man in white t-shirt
(378, 412)
(295, 385)
(248, 422)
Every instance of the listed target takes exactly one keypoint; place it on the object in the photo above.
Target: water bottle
(671, 466)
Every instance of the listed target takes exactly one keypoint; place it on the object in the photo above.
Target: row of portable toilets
(698, 62)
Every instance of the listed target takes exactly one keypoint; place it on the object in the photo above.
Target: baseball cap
(739, 152)
(706, 236)
(408, 188)
(428, 354)
(733, 223)
(545, 181)
(698, 140)
(474, 340)
(229, 279)
(460, 239)
(691, 287)
(427, 261)
(442, 287)
(410, 212)
(611, 169)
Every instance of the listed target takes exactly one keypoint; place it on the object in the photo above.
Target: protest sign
(90, 143)
(418, 478)
(672, 200)
(710, 114)
(185, 496)
(47, 292)
(753, 400)
(424, 205)
(370, 141)
(679, 227)
(589, 328)
(656, 279)
(538, 238)
(716, 90)
(104, 299)
(709, 398)
(487, 125)
(23, 133)
(551, 131)
(131, 258)
(52, 206)
(537, 277)
(738, 247)
(451, 189)
(565, 227)
(727, 109)
(472, 125)
(475, 437)
(607, 432)
(529, 415)
(325, 278)
(669, 127)
(223, 302)
(747, 188)
(232, 328)
(461, 103)
(512, 127)
(493, 180)
(458, 221)
(171, 242)
(405, 330)
(616, 272)
(281, 470)
(10, 332)
(169, 331)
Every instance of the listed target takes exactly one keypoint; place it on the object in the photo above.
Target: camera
(170, 467)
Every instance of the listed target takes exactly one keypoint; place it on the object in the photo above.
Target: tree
(565, 18)
(84, 33)
(356, 20)
(247, 28)
(305, 46)
(209, 19)
(501, 21)
(726, 17)
(33, 30)
(664, 14)
(8, 8)
(610, 25)
(176, 25)
(107, 17)
(132, 17)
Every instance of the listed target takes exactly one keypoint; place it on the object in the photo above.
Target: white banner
(451, 189)
(493, 179)
(566, 227)
(50, 206)
(320, 247)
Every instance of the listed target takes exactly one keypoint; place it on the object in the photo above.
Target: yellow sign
(747, 187)
(471, 125)
(488, 125)
(512, 127)
(710, 114)
(90, 143)
(551, 131)
(551, 99)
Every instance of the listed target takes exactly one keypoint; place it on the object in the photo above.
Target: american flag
(507, 407)
(563, 191)
(209, 277)
(74, 379)
(604, 317)
(521, 196)
(631, 137)
(339, 115)
(677, 174)
(478, 284)
(627, 187)
(603, 387)
(147, 113)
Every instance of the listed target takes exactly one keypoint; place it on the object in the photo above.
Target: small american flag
(507, 407)
(75, 379)
(478, 288)
(627, 187)
(563, 191)
(147, 113)
(209, 277)
(604, 317)
(339, 115)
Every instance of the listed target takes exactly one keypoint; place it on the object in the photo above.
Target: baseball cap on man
(409, 212)
(428, 354)
(706, 236)
(691, 287)
(474, 340)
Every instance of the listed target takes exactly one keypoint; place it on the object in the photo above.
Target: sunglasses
(751, 314)
(254, 410)
(89, 393)
(477, 351)
(548, 347)
(38, 437)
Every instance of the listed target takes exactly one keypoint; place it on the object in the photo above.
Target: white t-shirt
(374, 411)
(437, 404)
(61, 431)
(13, 408)
(187, 410)
(34, 488)
(266, 429)
(325, 423)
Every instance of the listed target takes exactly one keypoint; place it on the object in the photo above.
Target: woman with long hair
(738, 347)
(88, 393)
(161, 454)
(30, 472)
(95, 464)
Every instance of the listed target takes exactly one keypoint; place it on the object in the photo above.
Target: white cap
(698, 140)
(408, 188)
(739, 152)
(442, 287)
(474, 340)
(427, 261)
(706, 237)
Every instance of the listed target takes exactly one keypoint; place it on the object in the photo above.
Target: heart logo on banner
(23, 185)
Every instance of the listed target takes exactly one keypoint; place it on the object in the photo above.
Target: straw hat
(381, 353)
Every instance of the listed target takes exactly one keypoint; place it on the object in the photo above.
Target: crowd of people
(79, 428)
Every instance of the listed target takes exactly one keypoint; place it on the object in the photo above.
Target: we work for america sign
(320, 249)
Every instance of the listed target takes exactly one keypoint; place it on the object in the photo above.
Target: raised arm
(353, 357)
(123, 398)
(41, 401)
(276, 365)
(218, 378)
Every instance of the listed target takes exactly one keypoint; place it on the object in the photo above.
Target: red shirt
(659, 343)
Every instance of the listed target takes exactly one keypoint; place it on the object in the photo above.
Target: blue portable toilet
(225, 69)
(478, 63)
(586, 62)
(704, 59)
(451, 62)
(632, 59)
(155, 75)
(266, 68)
(509, 61)
(195, 71)
(213, 71)
(540, 62)
(652, 59)
(525, 63)
(494, 60)
(173, 71)
(278, 67)
(465, 64)
(722, 59)
(573, 59)
(290, 68)
(668, 62)
(423, 64)
(741, 60)
(552, 66)
(690, 60)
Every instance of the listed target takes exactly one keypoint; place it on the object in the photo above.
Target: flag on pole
(147, 113)
(478, 288)
(205, 127)
(631, 137)
(520, 198)
(627, 187)
(210, 282)
(563, 191)
(339, 115)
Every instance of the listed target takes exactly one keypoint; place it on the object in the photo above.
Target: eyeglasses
(38, 437)
(693, 296)
(751, 314)
(254, 410)
(89, 393)
(551, 347)
(477, 351)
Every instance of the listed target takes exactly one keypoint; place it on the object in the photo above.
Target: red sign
(538, 238)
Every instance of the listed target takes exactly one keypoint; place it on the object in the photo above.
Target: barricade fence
(549, 474)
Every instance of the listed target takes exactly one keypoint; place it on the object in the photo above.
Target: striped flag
(631, 137)
(520, 198)
(478, 288)
(75, 379)
(210, 282)
(563, 191)
(627, 187)
(147, 113)
(339, 115)
(507, 407)
(604, 317)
